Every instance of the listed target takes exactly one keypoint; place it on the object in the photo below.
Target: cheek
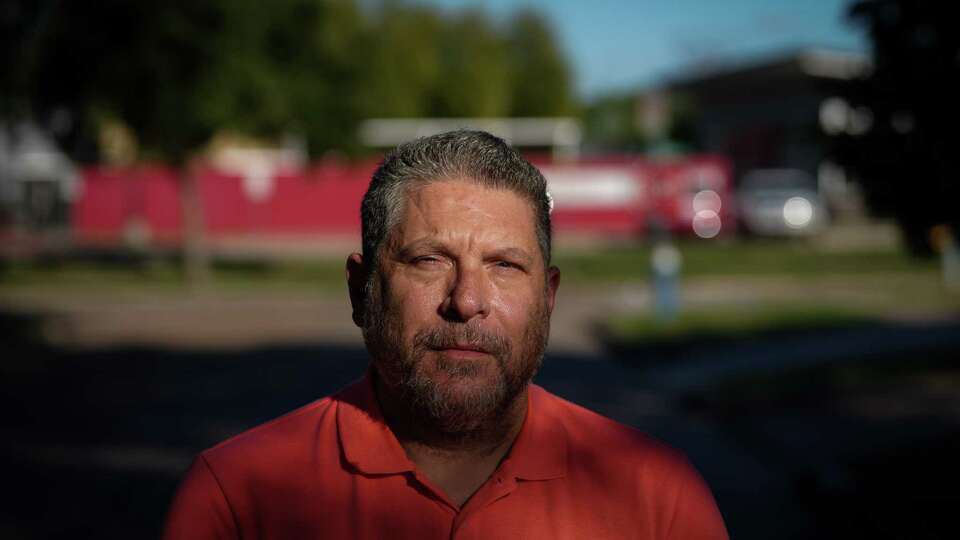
(417, 307)
(515, 308)
(508, 306)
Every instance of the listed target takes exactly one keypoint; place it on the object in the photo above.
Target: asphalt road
(98, 426)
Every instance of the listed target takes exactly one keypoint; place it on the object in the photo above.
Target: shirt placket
(499, 485)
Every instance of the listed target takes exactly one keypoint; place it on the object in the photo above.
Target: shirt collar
(366, 440)
(539, 453)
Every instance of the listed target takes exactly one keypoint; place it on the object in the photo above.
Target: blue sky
(619, 45)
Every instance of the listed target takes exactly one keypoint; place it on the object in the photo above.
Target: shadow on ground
(95, 440)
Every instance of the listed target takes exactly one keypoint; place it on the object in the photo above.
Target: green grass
(320, 275)
(732, 323)
(736, 258)
(605, 266)
(84, 274)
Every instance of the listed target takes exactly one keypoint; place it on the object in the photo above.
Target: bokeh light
(797, 212)
(706, 224)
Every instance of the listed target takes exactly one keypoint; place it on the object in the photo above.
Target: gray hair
(474, 155)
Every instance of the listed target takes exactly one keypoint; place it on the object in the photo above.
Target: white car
(780, 202)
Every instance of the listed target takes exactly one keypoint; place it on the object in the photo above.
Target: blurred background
(756, 213)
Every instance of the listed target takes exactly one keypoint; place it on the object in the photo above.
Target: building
(773, 114)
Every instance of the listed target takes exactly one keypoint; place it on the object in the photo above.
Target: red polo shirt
(333, 469)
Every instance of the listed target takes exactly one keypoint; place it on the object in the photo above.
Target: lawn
(603, 266)
(165, 275)
(730, 288)
(734, 323)
(738, 258)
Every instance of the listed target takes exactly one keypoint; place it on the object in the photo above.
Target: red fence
(614, 196)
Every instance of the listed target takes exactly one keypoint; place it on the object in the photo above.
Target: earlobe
(356, 286)
(553, 283)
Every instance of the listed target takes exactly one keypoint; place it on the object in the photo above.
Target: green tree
(610, 124)
(421, 62)
(178, 71)
(287, 66)
(540, 74)
(401, 63)
(474, 78)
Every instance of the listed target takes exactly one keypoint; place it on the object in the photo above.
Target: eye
(507, 265)
(425, 260)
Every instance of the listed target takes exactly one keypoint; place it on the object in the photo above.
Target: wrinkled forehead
(460, 209)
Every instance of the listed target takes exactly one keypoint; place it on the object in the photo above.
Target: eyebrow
(417, 245)
(434, 245)
(514, 253)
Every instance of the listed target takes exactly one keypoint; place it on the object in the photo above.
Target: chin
(457, 365)
(460, 396)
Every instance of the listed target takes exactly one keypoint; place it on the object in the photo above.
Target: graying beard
(423, 397)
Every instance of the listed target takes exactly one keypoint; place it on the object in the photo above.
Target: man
(445, 437)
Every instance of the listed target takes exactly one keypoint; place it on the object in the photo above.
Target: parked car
(780, 202)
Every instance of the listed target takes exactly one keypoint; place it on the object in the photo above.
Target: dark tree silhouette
(907, 159)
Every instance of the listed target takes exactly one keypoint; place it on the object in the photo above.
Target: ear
(553, 283)
(357, 286)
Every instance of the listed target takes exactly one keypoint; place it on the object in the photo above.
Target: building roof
(813, 63)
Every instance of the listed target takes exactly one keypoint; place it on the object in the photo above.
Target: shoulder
(288, 437)
(593, 430)
(643, 474)
(611, 449)
(240, 481)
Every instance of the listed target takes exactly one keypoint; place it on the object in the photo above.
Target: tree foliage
(906, 160)
(401, 67)
(473, 59)
(178, 71)
(610, 124)
(539, 71)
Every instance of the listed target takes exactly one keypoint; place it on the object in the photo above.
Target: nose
(469, 295)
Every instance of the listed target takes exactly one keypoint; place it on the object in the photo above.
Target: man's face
(457, 315)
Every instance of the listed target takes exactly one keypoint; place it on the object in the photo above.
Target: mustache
(453, 336)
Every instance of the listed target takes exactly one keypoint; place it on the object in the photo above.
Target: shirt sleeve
(200, 510)
(695, 512)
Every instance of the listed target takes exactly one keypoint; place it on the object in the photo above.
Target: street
(100, 424)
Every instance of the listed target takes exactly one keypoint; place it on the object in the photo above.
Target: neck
(485, 435)
(458, 463)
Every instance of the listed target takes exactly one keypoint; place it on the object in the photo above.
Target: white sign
(594, 187)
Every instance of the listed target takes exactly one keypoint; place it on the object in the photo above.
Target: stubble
(435, 391)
